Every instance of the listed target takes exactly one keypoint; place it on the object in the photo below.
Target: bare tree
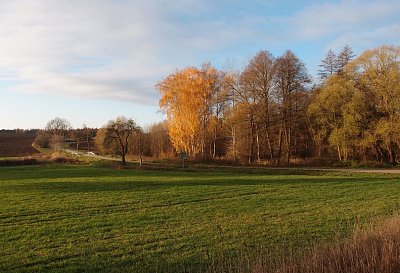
(241, 91)
(260, 74)
(291, 77)
(119, 132)
(58, 125)
(159, 141)
(57, 129)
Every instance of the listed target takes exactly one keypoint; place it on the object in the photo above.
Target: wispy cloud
(345, 22)
(95, 49)
(119, 49)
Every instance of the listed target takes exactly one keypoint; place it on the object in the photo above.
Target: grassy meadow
(64, 218)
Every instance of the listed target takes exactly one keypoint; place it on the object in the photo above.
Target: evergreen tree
(328, 66)
(343, 58)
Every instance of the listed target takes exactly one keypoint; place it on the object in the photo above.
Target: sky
(90, 61)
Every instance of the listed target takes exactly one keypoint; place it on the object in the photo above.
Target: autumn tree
(186, 98)
(268, 102)
(266, 112)
(260, 76)
(118, 134)
(291, 77)
(339, 110)
(219, 103)
(378, 73)
(244, 105)
(231, 85)
(359, 107)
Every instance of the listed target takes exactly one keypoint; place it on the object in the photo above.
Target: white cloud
(347, 22)
(94, 49)
(119, 49)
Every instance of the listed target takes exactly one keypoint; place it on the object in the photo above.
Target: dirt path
(349, 170)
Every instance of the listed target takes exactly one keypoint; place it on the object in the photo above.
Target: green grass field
(91, 219)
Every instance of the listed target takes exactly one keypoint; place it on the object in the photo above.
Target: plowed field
(16, 144)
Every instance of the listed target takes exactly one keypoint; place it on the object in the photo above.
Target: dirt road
(349, 170)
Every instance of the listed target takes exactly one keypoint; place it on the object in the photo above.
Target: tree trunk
(266, 124)
(278, 158)
(339, 154)
(258, 145)
(123, 157)
(392, 154)
(271, 152)
(251, 143)
(288, 134)
(214, 142)
(234, 144)
(345, 153)
(319, 143)
(379, 153)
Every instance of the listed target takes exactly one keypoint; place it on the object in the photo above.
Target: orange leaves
(186, 97)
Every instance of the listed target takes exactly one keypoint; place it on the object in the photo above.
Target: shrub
(42, 140)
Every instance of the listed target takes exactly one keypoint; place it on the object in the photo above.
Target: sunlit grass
(79, 218)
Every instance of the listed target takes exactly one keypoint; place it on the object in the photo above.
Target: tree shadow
(153, 182)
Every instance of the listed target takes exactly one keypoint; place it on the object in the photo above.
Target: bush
(42, 140)
(19, 162)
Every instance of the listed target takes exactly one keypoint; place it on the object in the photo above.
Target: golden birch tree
(186, 97)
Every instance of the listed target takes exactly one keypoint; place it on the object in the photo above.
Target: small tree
(42, 139)
(118, 133)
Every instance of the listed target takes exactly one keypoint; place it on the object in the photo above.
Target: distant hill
(16, 143)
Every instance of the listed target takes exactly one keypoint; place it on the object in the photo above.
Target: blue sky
(90, 61)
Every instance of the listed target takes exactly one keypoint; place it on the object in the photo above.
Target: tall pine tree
(328, 66)
(344, 57)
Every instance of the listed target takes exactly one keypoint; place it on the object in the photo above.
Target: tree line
(271, 112)
(118, 137)
(356, 110)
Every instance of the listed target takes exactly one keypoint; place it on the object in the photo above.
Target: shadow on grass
(151, 183)
(73, 171)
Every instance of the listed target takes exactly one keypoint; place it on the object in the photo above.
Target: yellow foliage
(186, 98)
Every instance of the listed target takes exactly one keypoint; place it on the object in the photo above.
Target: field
(16, 144)
(92, 219)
